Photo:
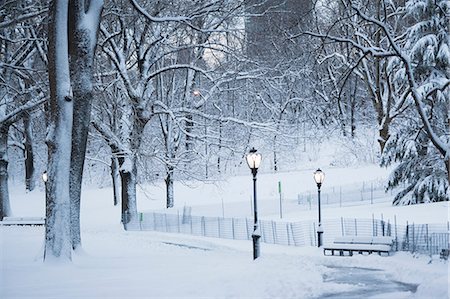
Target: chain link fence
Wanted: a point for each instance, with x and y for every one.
(423, 238)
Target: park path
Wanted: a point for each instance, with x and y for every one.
(368, 282)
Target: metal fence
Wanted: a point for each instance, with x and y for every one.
(283, 233)
(368, 192)
(422, 238)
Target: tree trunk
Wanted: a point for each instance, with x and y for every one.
(352, 118)
(384, 134)
(82, 49)
(128, 175)
(57, 231)
(5, 209)
(169, 188)
(220, 148)
(275, 159)
(447, 167)
(189, 128)
(115, 179)
(29, 157)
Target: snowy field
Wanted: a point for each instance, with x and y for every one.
(119, 264)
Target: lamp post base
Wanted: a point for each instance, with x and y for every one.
(319, 238)
(256, 246)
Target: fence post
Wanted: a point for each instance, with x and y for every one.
(342, 226)
(246, 227)
(407, 235)
(373, 225)
(315, 233)
(356, 228)
(232, 229)
(140, 220)
(396, 233)
(263, 235)
(389, 231)
(165, 221)
(431, 246)
(178, 221)
(426, 234)
(203, 226)
(274, 234)
(287, 232)
(292, 233)
(371, 193)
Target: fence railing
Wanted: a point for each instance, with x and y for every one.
(422, 238)
(368, 192)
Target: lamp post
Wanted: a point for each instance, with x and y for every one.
(319, 177)
(253, 161)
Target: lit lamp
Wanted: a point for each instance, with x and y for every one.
(254, 161)
(45, 176)
(319, 176)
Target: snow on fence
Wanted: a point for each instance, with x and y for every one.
(423, 238)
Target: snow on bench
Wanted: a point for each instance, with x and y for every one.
(350, 244)
(23, 221)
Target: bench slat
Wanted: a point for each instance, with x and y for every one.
(357, 247)
(350, 244)
(23, 221)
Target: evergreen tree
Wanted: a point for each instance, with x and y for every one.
(423, 168)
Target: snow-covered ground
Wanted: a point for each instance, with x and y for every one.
(119, 264)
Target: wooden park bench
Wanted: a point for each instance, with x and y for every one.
(23, 221)
(347, 245)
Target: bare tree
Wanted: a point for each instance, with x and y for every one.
(410, 70)
(20, 91)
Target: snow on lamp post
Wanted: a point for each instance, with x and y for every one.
(254, 161)
(319, 176)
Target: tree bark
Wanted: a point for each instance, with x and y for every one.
(275, 159)
(169, 188)
(57, 231)
(82, 49)
(29, 157)
(384, 133)
(128, 175)
(115, 179)
(5, 209)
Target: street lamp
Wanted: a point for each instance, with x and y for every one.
(319, 176)
(253, 161)
(45, 176)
